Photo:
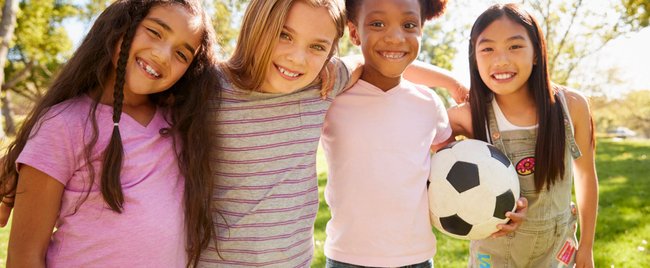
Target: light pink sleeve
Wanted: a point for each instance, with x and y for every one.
(443, 128)
(50, 148)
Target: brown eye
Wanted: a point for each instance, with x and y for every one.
(154, 32)
(285, 36)
(182, 56)
(377, 24)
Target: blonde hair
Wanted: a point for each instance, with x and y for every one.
(261, 28)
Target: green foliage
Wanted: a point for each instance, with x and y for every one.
(92, 8)
(39, 32)
(438, 44)
(438, 47)
(226, 20)
(624, 175)
(41, 45)
(346, 47)
(631, 111)
(637, 12)
(4, 243)
(636, 111)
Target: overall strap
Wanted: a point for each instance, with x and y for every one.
(568, 126)
(494, 135)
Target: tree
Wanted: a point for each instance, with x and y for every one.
(41, 46)
(575, 30)
(637, 111)
(439, 39)
(226, 20)
(7, 26)
(637, 12)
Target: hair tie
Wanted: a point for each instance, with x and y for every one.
(115, 124)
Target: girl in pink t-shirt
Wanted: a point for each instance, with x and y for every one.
(111, 166)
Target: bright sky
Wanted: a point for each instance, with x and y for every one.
(630, 54)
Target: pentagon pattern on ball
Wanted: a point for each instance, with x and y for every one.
(463, 176)
(498, 155)
(455, 225)
(505, 202)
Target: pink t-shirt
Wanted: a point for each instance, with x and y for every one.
(150, 230)
(377, 147)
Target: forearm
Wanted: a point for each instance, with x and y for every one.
(27, 247)
(587, 199)
(36, 209)
(584, 170)
(430, 75)
(24, 258)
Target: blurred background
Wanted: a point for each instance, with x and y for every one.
(599, 47)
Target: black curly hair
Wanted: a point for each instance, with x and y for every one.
(429, 9)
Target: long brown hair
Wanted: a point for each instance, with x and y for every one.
(261, 28)
(88, 71)
(550, 144)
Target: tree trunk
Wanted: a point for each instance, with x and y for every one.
(10, 126)
(7, 26)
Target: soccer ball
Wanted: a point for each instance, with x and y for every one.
(472, 186)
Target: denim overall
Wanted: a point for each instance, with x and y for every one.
(547, 237)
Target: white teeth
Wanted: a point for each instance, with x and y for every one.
(287, 73)
(148, 68)
(503, 76)
(393, 55)
(151, 71)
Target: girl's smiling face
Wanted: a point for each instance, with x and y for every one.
(303, 47)
(505, 56)
(389, 32)
(163, 47)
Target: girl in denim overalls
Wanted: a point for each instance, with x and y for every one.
(546, 131)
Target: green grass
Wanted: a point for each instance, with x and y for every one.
(622, 230)
(4, 240)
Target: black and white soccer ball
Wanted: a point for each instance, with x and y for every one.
(472, 186)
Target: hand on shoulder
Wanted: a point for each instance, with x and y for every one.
(460, 119)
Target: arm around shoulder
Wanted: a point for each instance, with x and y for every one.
(354, 63)
(37, 205)
(460, 119)
(433, 76)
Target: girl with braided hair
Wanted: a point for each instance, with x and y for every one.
(114, 158)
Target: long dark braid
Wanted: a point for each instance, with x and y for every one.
(110, 185)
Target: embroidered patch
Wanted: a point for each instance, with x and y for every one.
(484, 260)
(526, 166)
(566, 252)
